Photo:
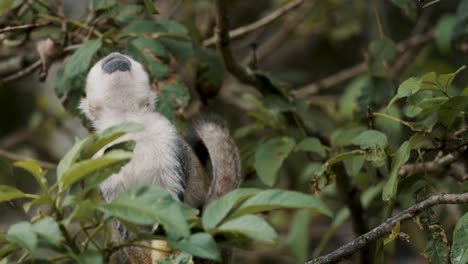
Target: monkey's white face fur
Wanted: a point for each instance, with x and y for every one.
(117, 83)
(117, 91)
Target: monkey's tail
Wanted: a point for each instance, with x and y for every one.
(209, 137)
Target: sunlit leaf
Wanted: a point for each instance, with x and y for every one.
(8, 193)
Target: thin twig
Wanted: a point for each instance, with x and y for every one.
(16, 157)
(380, 231)
(265, 21)
(223, 43)
(357, 69)
(22, 27)
(36, 65)
(438, 165)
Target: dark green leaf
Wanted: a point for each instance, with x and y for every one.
(250, 226)
(219, 209)
(461, 28)
(353, 165)
(173, 98)
(298, 238)
(48, 229)
(408, 6)
(451, 109)
(270, 156)
(149, 4)
(24, 235)
(444, 32)
(35, 169)
(399, 158)
(311, 145)
(90, 257)
(81, 59)
(150, 204)
(200, 244)
(371, 139)
(459, 252)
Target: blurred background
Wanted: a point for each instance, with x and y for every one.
(320, 50)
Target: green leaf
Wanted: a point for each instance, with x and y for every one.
(281, 199)
(90, 257)
(49, 230)
(219, 209)
(139, 27)
(444, 32)
(83, 168)
(371, 139)
(459, 251)
(200, 244)
(81, 59)
(393, 234)
(173, 98)
(451, 109)
(24, 235)
(436, 251)
(210, 71)
(461, 28)
(408, 6)
(446, 79)
(354, 164)
(6, 5)
(150, 204)
(35, 169)
(345, 137)
(406, 88)
(72, 155)
(150, 7)
(382, 52)
(109, 135)
(8, 193)
(269, 157)
(250, 226)
(298, 238)
(312, 145)
(400, 158)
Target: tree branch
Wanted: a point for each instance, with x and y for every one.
(265, 21)
(438, 165)
(16, 157)
(355, 70)
(21, 27)
(357, 244)
(223, 43)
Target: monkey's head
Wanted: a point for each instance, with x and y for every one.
(117, 83)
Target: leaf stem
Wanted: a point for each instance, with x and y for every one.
(405, 123)
(379, 18)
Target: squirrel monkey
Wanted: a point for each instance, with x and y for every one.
(118, 90)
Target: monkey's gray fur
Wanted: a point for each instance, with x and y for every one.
(118, 90)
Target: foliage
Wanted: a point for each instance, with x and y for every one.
(386, 125)
(73, 203)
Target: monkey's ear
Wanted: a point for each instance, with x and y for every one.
(90, 109)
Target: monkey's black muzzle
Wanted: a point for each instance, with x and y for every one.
(115, 62)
